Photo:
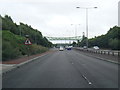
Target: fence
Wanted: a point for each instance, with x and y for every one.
(105, 52)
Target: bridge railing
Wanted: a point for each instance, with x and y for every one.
(105, 52)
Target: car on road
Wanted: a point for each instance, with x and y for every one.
(68, 47)
(84, 47)
(96, 48)
(61, 49)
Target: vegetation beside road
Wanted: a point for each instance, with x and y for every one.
(111, 40)
(13, 38)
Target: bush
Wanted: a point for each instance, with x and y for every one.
(114, 44)
(37, 49)
(13, 46)
(9, 52)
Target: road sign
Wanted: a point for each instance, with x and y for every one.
(27, 42)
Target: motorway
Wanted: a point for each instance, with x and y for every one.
(63, 69)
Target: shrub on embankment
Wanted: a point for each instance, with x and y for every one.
(22, 29)
(13, 46)
(110, 40)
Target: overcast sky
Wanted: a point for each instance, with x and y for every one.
(54, 17)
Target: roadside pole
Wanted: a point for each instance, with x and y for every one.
(28, 50)
(119, 13)
(28, 43)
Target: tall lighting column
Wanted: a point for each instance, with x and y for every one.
(86, 8)
(75, 30)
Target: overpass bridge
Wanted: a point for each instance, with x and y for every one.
(64, 38)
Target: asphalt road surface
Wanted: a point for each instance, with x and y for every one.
(64, 69)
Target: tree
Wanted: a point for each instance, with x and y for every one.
(111, 40)
(114, 43)
(8, 24)
(74, 44)
(24, 29)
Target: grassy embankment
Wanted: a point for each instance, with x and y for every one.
(13, 46)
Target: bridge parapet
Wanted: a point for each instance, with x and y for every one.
(64, 38)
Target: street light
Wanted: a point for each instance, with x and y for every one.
(86, 21)
(75, 29)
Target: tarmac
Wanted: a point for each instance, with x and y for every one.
(6, 67)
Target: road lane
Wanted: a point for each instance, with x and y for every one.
(64, 69)
(100, 73)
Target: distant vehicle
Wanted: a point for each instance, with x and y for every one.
(96, 48)
(69, 47)
(84, 47)
(66, 47)
(61, 49)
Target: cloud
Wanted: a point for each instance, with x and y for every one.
(53, 17)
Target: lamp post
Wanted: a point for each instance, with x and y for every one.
(119, 13)
(86, 8)
(75, 30)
